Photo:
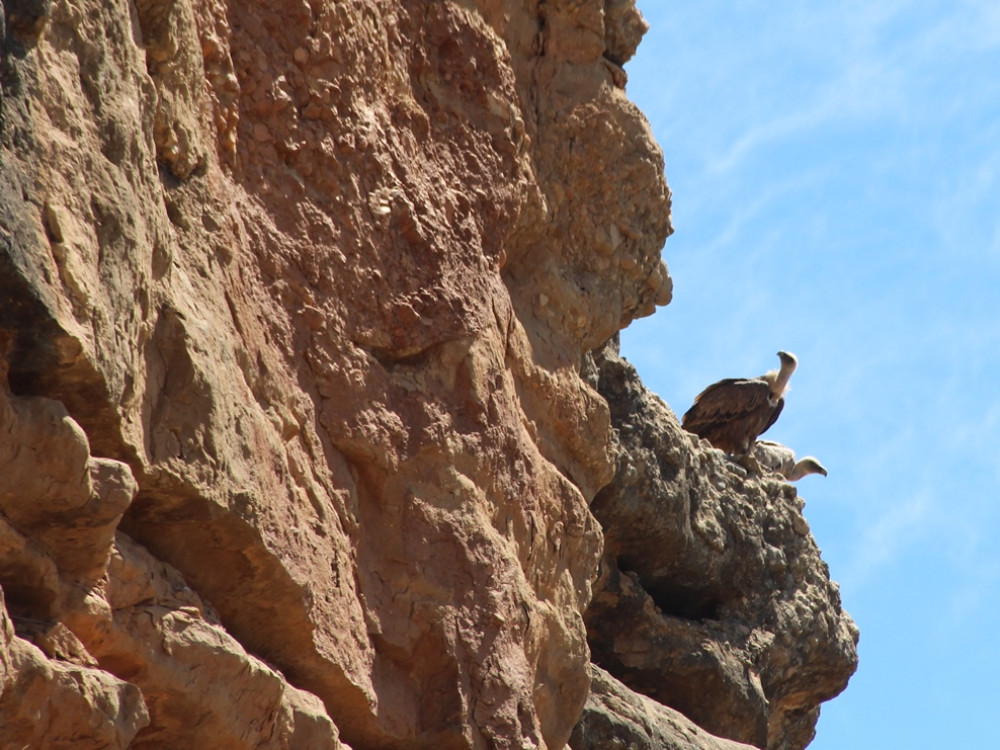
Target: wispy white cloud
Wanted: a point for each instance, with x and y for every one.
(964, 216)
(965, 27)
(885, 537)
(969, 598)
(861, 89)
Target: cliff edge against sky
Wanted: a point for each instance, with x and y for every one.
(309, 436)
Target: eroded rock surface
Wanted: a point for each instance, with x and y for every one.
(321, 275)
(294, 299)
(50, 701)
(104, 646)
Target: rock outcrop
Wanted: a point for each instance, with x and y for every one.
(295, 449)
(713, 598)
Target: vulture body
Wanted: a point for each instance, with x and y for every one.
(731, 414)
(777, 458)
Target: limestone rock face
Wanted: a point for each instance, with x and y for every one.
(713, 598)
(295, 450)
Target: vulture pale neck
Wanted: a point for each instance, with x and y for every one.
(779, 379)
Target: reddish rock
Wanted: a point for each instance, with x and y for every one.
(296, 299)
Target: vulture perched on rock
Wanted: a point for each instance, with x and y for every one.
(731, 414)
(781, 459)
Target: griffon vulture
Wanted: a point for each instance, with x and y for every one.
(731, 414)
(780, 459)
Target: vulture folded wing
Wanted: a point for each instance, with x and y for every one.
(726, 400)
(731, 413)
(774, 415)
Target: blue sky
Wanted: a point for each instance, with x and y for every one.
(836, 177)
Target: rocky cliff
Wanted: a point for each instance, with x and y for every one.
(308, 434)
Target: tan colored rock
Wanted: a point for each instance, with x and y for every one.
(201, 687)
(28, 576)
(119, 640)
(54, 492)
(177, 68)
(54, 704)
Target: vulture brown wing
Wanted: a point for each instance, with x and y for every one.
(725, 401)
(774, 415)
